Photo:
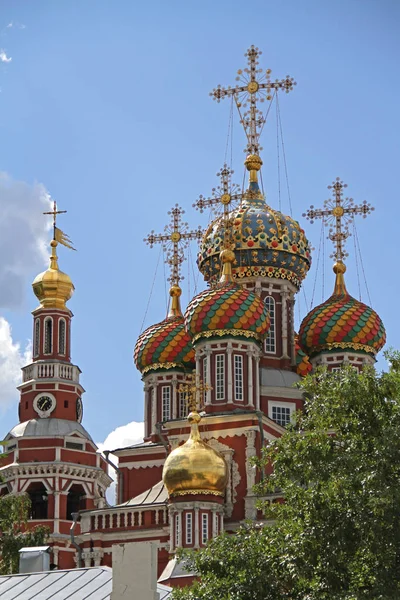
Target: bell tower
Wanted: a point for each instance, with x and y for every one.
(49, 455)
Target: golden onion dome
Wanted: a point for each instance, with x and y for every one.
(53, 288)
(195, 467)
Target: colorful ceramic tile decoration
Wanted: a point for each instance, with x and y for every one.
(266, 243)
(227, 310)
(342, 322)
(165, 345)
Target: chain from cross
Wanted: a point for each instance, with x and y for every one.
(193, 391)
(54, 214)
(254, 86)
(338, 214)
(175, 240)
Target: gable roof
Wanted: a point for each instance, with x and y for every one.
(94, 583)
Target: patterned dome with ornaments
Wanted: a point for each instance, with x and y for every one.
(227, 310)
(165, 345)
(342, 323)
(266, 243)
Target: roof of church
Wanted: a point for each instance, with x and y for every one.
(94, 583)
(48, 428)
(155, 495)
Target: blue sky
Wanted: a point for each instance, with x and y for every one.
(106, 105)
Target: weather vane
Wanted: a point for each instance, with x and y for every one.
(174, 241)
(58, 235)
(193, 390)
(254, 86)
(338, 214)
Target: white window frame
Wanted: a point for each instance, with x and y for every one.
(166, 402)
(275, 404)
(47, 320)
(238, 372)
(182, 408)
(189, 528)
(36, 344)
(220, 376)
(204, 528)
(62, 350)
(270, 340)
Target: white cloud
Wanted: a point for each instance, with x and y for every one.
(23, 237)
(12, 358)
(126, 435)
(4, 58)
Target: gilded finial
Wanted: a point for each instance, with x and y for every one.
(175, 310)
(339, 268)
(227, 258)
(174, 240)
(338, 213)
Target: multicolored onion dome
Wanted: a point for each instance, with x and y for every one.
(266, 242)
(227, 310)
(303, 365)
(166, 345)
(342, 323)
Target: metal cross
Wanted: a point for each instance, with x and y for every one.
(255, 86)
(338, 214)
(174, 241)
(54, 213)
(192, 390)
(225, 194)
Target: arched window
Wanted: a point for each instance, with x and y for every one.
(75, 500)
(48, 335)
(270, 345)
(36, 340)
(61, 336)
(39, 501)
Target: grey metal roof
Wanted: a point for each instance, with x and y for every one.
(140, 445)
(155, 495)
(278, 378)
(48, 428)
(94, 583)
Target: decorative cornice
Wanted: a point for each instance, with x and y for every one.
(227, 333)
(14, 471)
(198, 492)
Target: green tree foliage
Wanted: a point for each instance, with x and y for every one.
(14, 513)
(337, 535)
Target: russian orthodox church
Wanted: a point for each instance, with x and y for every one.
(231, 360)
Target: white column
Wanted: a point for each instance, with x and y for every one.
(257, 361)
(250, 376)
(174, 399)
(214, 516)
(230, 380)
(292, 344)
(153, 408)
(180, 526)
(284, 329)
(208, 354)
(146, 409)
(56, 495)
(196, 528)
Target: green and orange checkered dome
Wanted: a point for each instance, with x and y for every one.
(227, 310)
(166, 345)
(342, 323)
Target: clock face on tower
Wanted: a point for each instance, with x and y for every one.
(44, 404)
(79, 410)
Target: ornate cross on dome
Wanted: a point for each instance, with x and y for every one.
(225, 194)
(338, 214)
(193, 390)
(255, 86)
(58, 235)
(174, 241)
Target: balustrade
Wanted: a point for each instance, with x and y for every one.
(124, 518)
(49, 370)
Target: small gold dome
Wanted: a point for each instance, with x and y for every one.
(195, 467)
(53, 288)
